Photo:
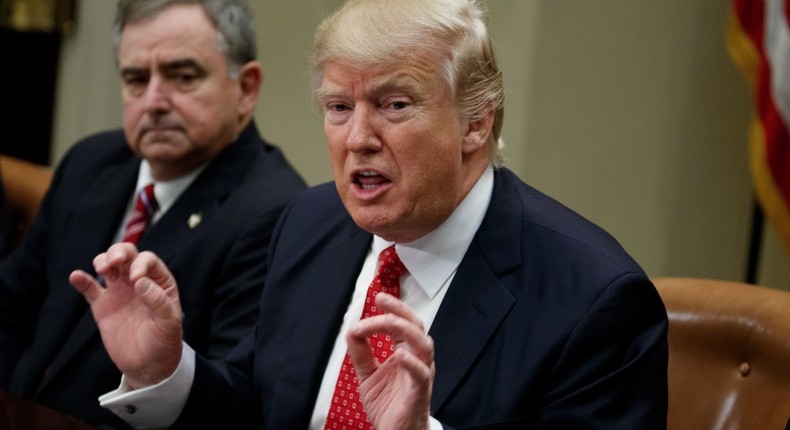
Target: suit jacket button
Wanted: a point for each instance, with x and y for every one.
(130, 409)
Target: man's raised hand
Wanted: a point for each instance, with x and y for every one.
(397, 393)
(137, 310)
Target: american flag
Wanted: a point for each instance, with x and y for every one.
(759, 42)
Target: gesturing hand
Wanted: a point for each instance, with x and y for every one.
(397, 393)
(137, 311)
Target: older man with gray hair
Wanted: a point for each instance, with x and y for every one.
(188, 177)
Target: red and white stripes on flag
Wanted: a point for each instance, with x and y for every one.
(759, 42)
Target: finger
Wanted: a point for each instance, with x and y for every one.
(115, 259)
(154, 296)
(404, 333)
(100, 262)
(147, 264)
(389, 304)
(419, 370)
(400, 323)
(398, 320)
(121, 253)
(361, 355)
(86, 285)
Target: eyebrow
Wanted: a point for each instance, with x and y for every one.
(391, 83)
(167, 66)
(186, 63)
(398, 82)
(324, 93)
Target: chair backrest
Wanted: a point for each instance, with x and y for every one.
(25, 184)
(729, 354)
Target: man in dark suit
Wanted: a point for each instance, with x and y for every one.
(513, 311)
(190, 83)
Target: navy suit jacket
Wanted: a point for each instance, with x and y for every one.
(548, 324)
(50, 348)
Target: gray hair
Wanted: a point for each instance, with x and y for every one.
(233, 20)
(391, 32)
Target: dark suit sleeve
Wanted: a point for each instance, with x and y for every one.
(607, 375)
(223, 394)
(236, 295)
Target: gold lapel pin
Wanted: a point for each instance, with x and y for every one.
(195, 219)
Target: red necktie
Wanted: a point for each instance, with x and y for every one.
(143, 212)
(346, 409)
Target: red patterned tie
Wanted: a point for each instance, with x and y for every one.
(144, 209)
(346, 409)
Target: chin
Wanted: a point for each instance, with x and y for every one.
(371, 223)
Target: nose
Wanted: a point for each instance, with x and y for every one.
(362, 136)
(156, 97)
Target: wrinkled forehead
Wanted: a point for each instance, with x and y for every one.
(419, 78)
(417, 75)
(182, 28)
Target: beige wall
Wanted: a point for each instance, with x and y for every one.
(630, 112)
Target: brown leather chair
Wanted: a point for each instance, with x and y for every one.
(25, 184)
(729, 354)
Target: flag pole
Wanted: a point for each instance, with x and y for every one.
(755, 243)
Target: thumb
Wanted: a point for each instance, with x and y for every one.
(154, 297)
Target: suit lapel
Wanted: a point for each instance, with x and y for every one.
(200, 202)
(315, 333)
(477, 301)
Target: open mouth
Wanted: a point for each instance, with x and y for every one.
(369, 180)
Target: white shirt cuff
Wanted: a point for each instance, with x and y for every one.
(157, 406)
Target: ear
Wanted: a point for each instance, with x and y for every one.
(478, 132)
(250, 80)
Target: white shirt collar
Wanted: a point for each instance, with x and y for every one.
(166, 192)
(433, 259)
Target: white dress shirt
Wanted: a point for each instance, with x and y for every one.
(165, 192)
(431, 261)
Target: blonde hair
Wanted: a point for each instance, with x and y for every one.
(391, 32)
